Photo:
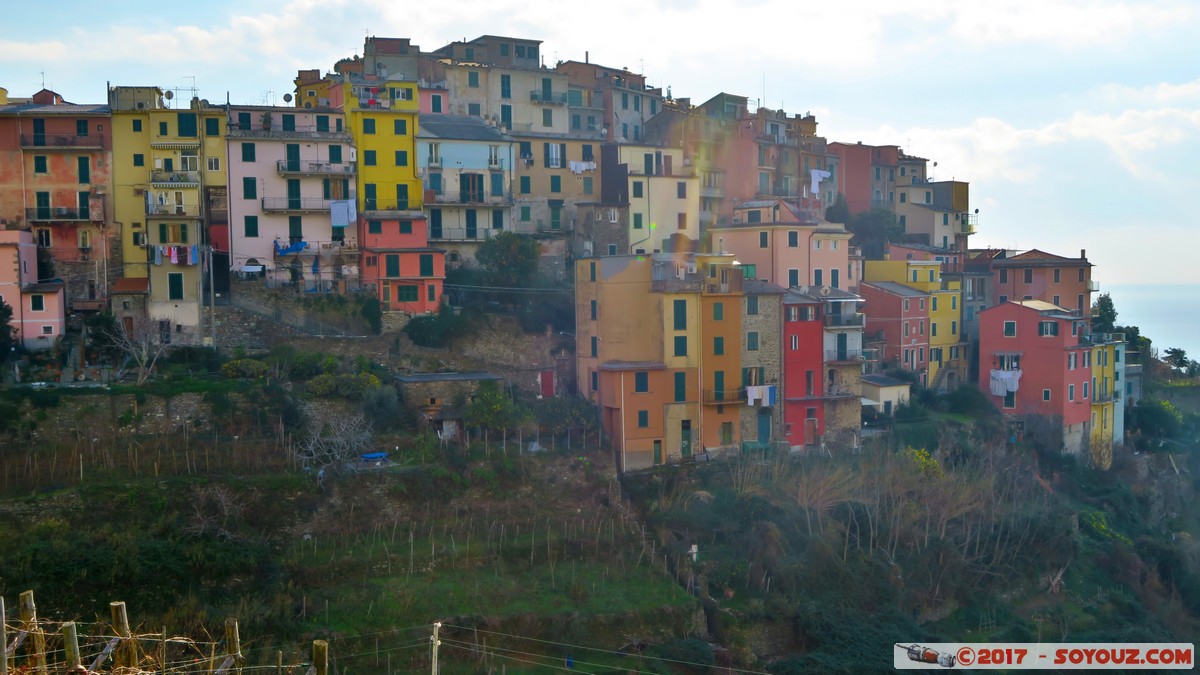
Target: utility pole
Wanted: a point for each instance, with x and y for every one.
(435, 642)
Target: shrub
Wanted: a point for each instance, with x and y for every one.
(346, 385)
(244, 369)
(371, 310)
(382, 407)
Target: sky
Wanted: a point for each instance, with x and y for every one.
(1075, 121)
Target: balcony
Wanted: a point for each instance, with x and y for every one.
(459, 233)
(1102, 397)
(427, 84)
(174, 179)
(712, 193)
(844, 356)
(540, 96)
(724, 396)
(295, 205)
(1092, 286)
(340, 247)
(168, 211)
(309, 167)
(839, 391)
(390, 208)
(844, 320)
(291, 131)
(40, 142)
(433, 162)
(56, 214)
(471, 198)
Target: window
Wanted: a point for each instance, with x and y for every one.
(555, 183)
(637, 221)
(1029, 276)
(718, 311)
(592, 271)
(295, 229)
(1010, 399)
(162, 128)
(681, 221)
(435, 103)
(1085, 389)
(595, 345)
(525, 185)
(794, 342)
(250, 226)
(587, 185)
(473, 109)
(680, 387)
(934, 304)
(214, 163)
(1048, 328)
(526, 214)
(643, 419)
(818, 278)
(762, 240)
(368, 158)
(1004, 276)
(1045, 394)
(751, 305)
(175, 286)
(1010, 329)
(40, 164)
(793, 278)
(368, 126)
(954, 327)
(1082, 274)
(637, 189)
(249, 187)
(391, 265)
(335, 154)
(401, 158)
(718, 346)
(37, 302)
(374, 227)
(681, 190)
(139, 159)
(680, 345)
(505, 86)
(212, 126)
(473, 78)
(406, 227)
(547, 118)
(932, 328)
(680, 314)
(752, 341)
(400, 127)
(793, 239)
(1070, 392)
(406, 293)
(749, 271)
(594, 309)
(641, 381)
(137, 125)
(248, 152)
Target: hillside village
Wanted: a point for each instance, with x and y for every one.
(723, 298)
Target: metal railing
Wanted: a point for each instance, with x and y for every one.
(843, 355)
(313, 166)
(539, 96)
(51, 141)
(173, 210)
(277, 130)
(51, 213)
(722, 396)
(284, 204)
(844, 320)
(177, 177)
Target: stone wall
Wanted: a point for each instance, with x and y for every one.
(769, 356)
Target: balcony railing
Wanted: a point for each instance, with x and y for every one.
(844, 320)
(539, 96)
(343, 247)
(843, 355)
(389, 205)
(173, 210)
(723, 396)
(314, 167)
(295, 204)
(175, 178)
(712, 192)
(56, 213)
(460, 233)
(62, 141)
(1092, 286)
(278, 130)
(1102, 397)
(478, 198)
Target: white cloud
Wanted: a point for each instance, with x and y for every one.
(1161, 93)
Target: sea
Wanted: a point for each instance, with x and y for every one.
(1168, 315)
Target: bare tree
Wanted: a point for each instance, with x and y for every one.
(333, 444)
(142, 345)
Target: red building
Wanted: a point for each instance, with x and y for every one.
(803, 365)
(55, 161)
(1035, 365)
(897, 324)
(1037, 275)
(398, 261)
(866, 174)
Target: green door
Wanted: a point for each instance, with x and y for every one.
(293, 156)
(293, 193)
(764, 425)
(842, 351)
(657, 452)
(685, 438)
(43, 205)
(39, 132)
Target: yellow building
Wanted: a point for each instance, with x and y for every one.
(312, 90)
(659, 351)
(553, 174)
(664, 197)
(382, 117)
(1105, 406)
(169, 185)
(947, 351)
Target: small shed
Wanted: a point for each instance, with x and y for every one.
(435, 395)
(884, 393)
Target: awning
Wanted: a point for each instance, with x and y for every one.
(867, 401)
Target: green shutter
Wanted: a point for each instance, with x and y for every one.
(393, 265)
(426, 262)
(680, 311)
(680, 387)
(335, 154)
(164, 233)
(251, 226)
(183, 233)
(174, 286)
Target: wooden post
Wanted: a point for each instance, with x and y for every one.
(320, 656)
(29, 622)
(233, 643)
(278, 663)
(3, 639)
(126, 653)
(162, 653)
(71, 644)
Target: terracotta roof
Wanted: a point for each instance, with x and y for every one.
(131, 285)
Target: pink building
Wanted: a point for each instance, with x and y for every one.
(776, 242)
(38, 309)
(897, 324)
(1035, 365)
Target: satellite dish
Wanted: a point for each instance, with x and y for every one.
(287, 98)
(824, 290)
(169, 95)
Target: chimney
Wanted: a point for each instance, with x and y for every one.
(1083, 254)
(585, 57)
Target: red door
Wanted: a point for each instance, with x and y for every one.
(546, 380)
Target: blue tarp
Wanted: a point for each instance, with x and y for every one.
(293, 248)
